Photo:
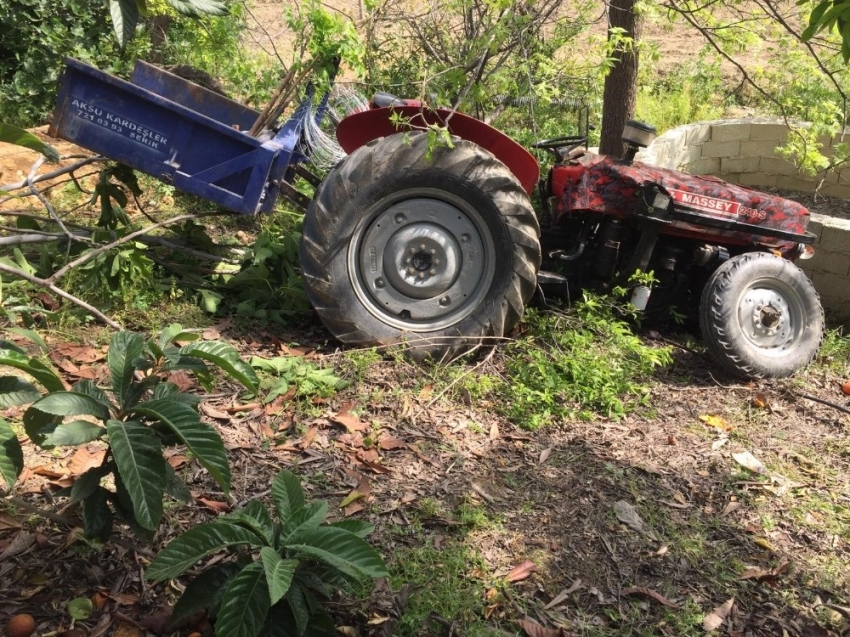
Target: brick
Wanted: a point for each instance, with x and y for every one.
(832, 286)
(730, 132)
(758, 149)
(758, 180)
(776, 166)
(835, 237)
(729, 165)
(697, 134)
(688, 155)
(732, 178)
(704, 166)
(769, 132)
(721, 149)
(815, 226)
(828, 261)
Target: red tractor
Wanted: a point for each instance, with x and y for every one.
(439, 247)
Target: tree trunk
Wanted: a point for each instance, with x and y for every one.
(618, 101)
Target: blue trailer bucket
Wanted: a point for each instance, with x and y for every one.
(182, 133)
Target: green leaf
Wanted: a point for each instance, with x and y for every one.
(67, 403)
(358, 527)
(76, 432)
(305, 520)
(88, 388)
(245, 604)
(30, 334)
(198, 7)
(287, 494)
(125, 17)
(123, 503)
(175, 487)
(124, 349)
(340, 549)
(43, 374)
(17, 391)
(11, 455)
(88, 483)
(205, 591)
(201, 439)
(253, 516)
(278, 572)
(40, 425)
(80, 608)
(225, 358)
(297, 598)
(138, 456)
(18, 136)
(97, 516)
(174, 332)
(194, 545)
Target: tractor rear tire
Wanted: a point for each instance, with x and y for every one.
(761, 316)
(436, 248)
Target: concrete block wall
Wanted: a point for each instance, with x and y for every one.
(743, 151)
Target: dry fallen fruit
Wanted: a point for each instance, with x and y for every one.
(22, 625)
(846, 388)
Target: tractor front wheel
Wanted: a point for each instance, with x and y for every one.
(761, 316)
(434, 247)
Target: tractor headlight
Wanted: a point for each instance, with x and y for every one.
(638, 134)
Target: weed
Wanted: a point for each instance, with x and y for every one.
(578, 364)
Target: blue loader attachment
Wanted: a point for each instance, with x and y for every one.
(182, 133)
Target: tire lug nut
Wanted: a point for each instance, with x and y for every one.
(412, 250)
(399, 218)
(436, 262)
(433, 251)
(445, 301)
(421, 275)
(432, 271)
(411, 270)
(379, 283)
(421, 246)
(407, 260)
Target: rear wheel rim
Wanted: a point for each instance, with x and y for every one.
(421, 259)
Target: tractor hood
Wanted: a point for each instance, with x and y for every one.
(607, 185)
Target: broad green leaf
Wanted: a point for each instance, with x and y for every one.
(125, 17)
(201, 439)
(88, 388)
(40, 425)
(254, 516)
(30, 334)
(138, 456)
(205, 591)
(76, 432)
(297, 598)
(225, 358)
(9, 345)
(304, 520)
(124, 349)
(38, 370)
(245, 604)
(11, 455)
(174, 332)
(123, 503)
(287, 494)
(18, 136)
(67, 403)
(340, 549)
(87, 484)
(198, 7)
(17, 391)
(358, 527)
(194, 545)
(97, 516)
(175, 487)
(279, 573)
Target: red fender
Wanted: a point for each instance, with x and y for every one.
(361, 128)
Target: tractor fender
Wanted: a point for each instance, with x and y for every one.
(359, 129)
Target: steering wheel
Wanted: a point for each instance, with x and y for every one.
(573, 141)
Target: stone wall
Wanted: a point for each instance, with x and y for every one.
(743, 151)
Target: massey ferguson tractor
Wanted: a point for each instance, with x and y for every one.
(437, 246)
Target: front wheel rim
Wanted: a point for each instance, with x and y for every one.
(771, 316)
(422, 259)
